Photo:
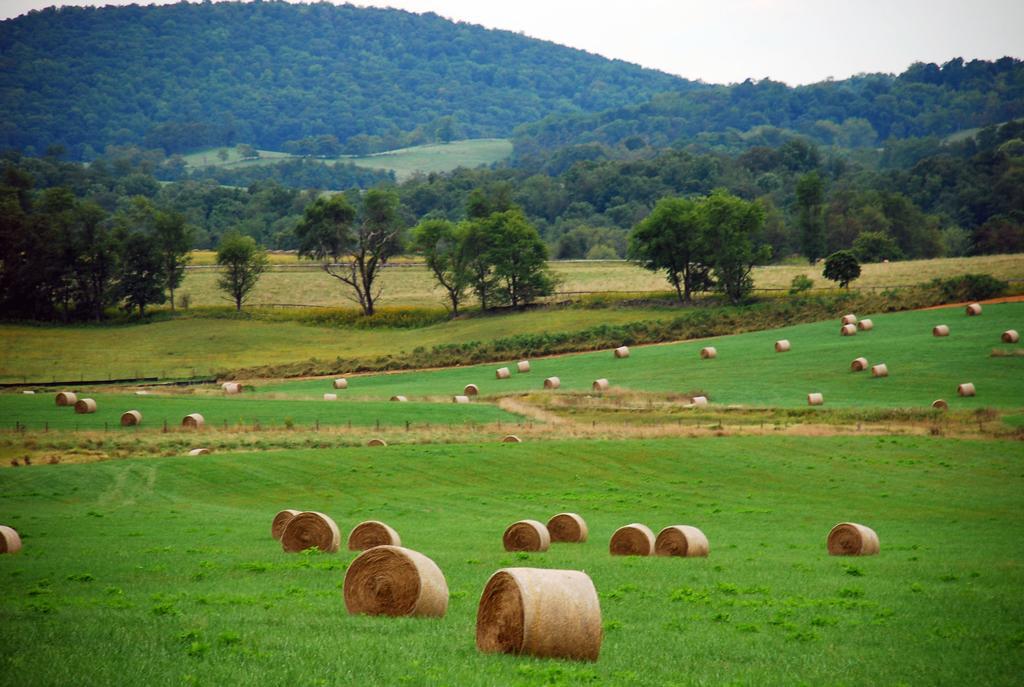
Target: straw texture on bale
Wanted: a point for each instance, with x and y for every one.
(568, 527)
(849, 319)
(281, 521)
(699, 401)
(371, 533)
(815, 399)
(851, 539)
(310, 529)
(879, 370)
(193, 421)
(66, 398)
(523, 366)
(502, 373)
(940, 330)
(341, 383)
(376, 442)
(552, 383)
(330, 397)
(232, 387)
(399, 399)
(540, 612)
(199, 452)
(460, 399)
(782, 345)
(10, 542)
(130, 418)
(940, 404)
(681, 540)
(600, 384)
(394, 581)
(965, 389)
(973, 309)
(632, 540)
(84, 406)
(865, 325)
(1011, 336)
(622, 352)
(708, 352)
(511, 439)
(526, 535)
(471, 390)
(859, 365)
(848, 330)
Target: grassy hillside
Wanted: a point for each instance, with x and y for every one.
(162, 571)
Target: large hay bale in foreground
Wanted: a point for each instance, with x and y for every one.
(193, 421)
(600, 384)
(511, 439)
(708, 352)
(552, 383)
(568, 527)
(540, 612)
(782, 345)
(376, 442)
(340, 383)
(632, 540)
(66, 398)
(865, 325)
(879, 370)
(460, 399)
(848, 330)
(371, 533)
(399, 399)
(280, 522)
(973, 309)
(940, 330)
(10, 541)
(849, 319)
(523, 366)
(471, 390)
(699, 401)
(231, 387)
(851, 539)
(1010, 336)
(311, 529)
(965, 389)
(859, 365)
(395, 581)
(502, 373)
(815, 399)
(130, 418)
(622, 352)
(940, 404)
(199, 452)
(526, 535)
(85, 406)
(681, 540)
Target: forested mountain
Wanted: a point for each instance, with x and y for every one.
(186, 76)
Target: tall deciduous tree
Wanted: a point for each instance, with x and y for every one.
(519, 257)
(243, 262)
(672, 239)
(141, 278)
(733, 226)
(810, 200)
(173, 240)
(439, 242)
(842, 267)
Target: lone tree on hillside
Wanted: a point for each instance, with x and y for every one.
(842, 267)
(244, 261)
(672, 239)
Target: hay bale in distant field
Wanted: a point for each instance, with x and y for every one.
(699, 401)
(330, 397)
(511, 439)
(540, 612)
(231, 387)
(526, 535)
(142, 393)
(622, 352)
(632, 540)
(523, 366)
(1011, 336)
(66, 398)
(130, 418)
(376, 442)
(502, 373)
(281, 521)
(859, 365)
(782, 345)
(10, 541)
(815, 399)
(849, 319)
(471, 390)
(851, 539)
(965, 389)
(708, 352)
(879, 370)
(600, 384)
(552, 383)
(371, 533)
(199, 452)
(973, 309)
(848, 330)
(940, 330)
(340, 383)
(865, 325)
(940, 404)
(310, 529)
(681, 540)
(399, 399)
(568, 527)
(460, 399)
(28, 392)
(193, 421)
(395, 581)
(84, 406)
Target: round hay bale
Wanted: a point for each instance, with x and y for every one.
(199, 452)
(600, 384)
(965, 389)
(394, 581)
(340, 383)
(130, 418)
(310, 529)
(511, 439)
(940, 330)
(66, 398)
(681, 540)
(632, 540)
(10, 542)
(849, 319)
(526, 535)
(231, 387)
(377, 442)
(471, 390)
(371, 533)
(142, 393)
(815, 399)
(330, 397)
(552, 383)
(699, 401)
(622, 352)
(502, 373)
(848, 330)
(865, 325)
(540, 612)
(940, 404)
(708, 352)
(523, 366)
(879, 370)
(193, 421)
(84, 406)
(281, 521)
(400, 399)
(568, 527)
(460, 399)
(28, 392)
(851, 539)
(973, 309)
(782, 345)
(1011, 336)
(859, 365)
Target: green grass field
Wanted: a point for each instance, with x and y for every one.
(162, 571)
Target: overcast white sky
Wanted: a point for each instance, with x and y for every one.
(724, 41)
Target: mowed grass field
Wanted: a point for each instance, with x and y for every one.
(163, 572)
